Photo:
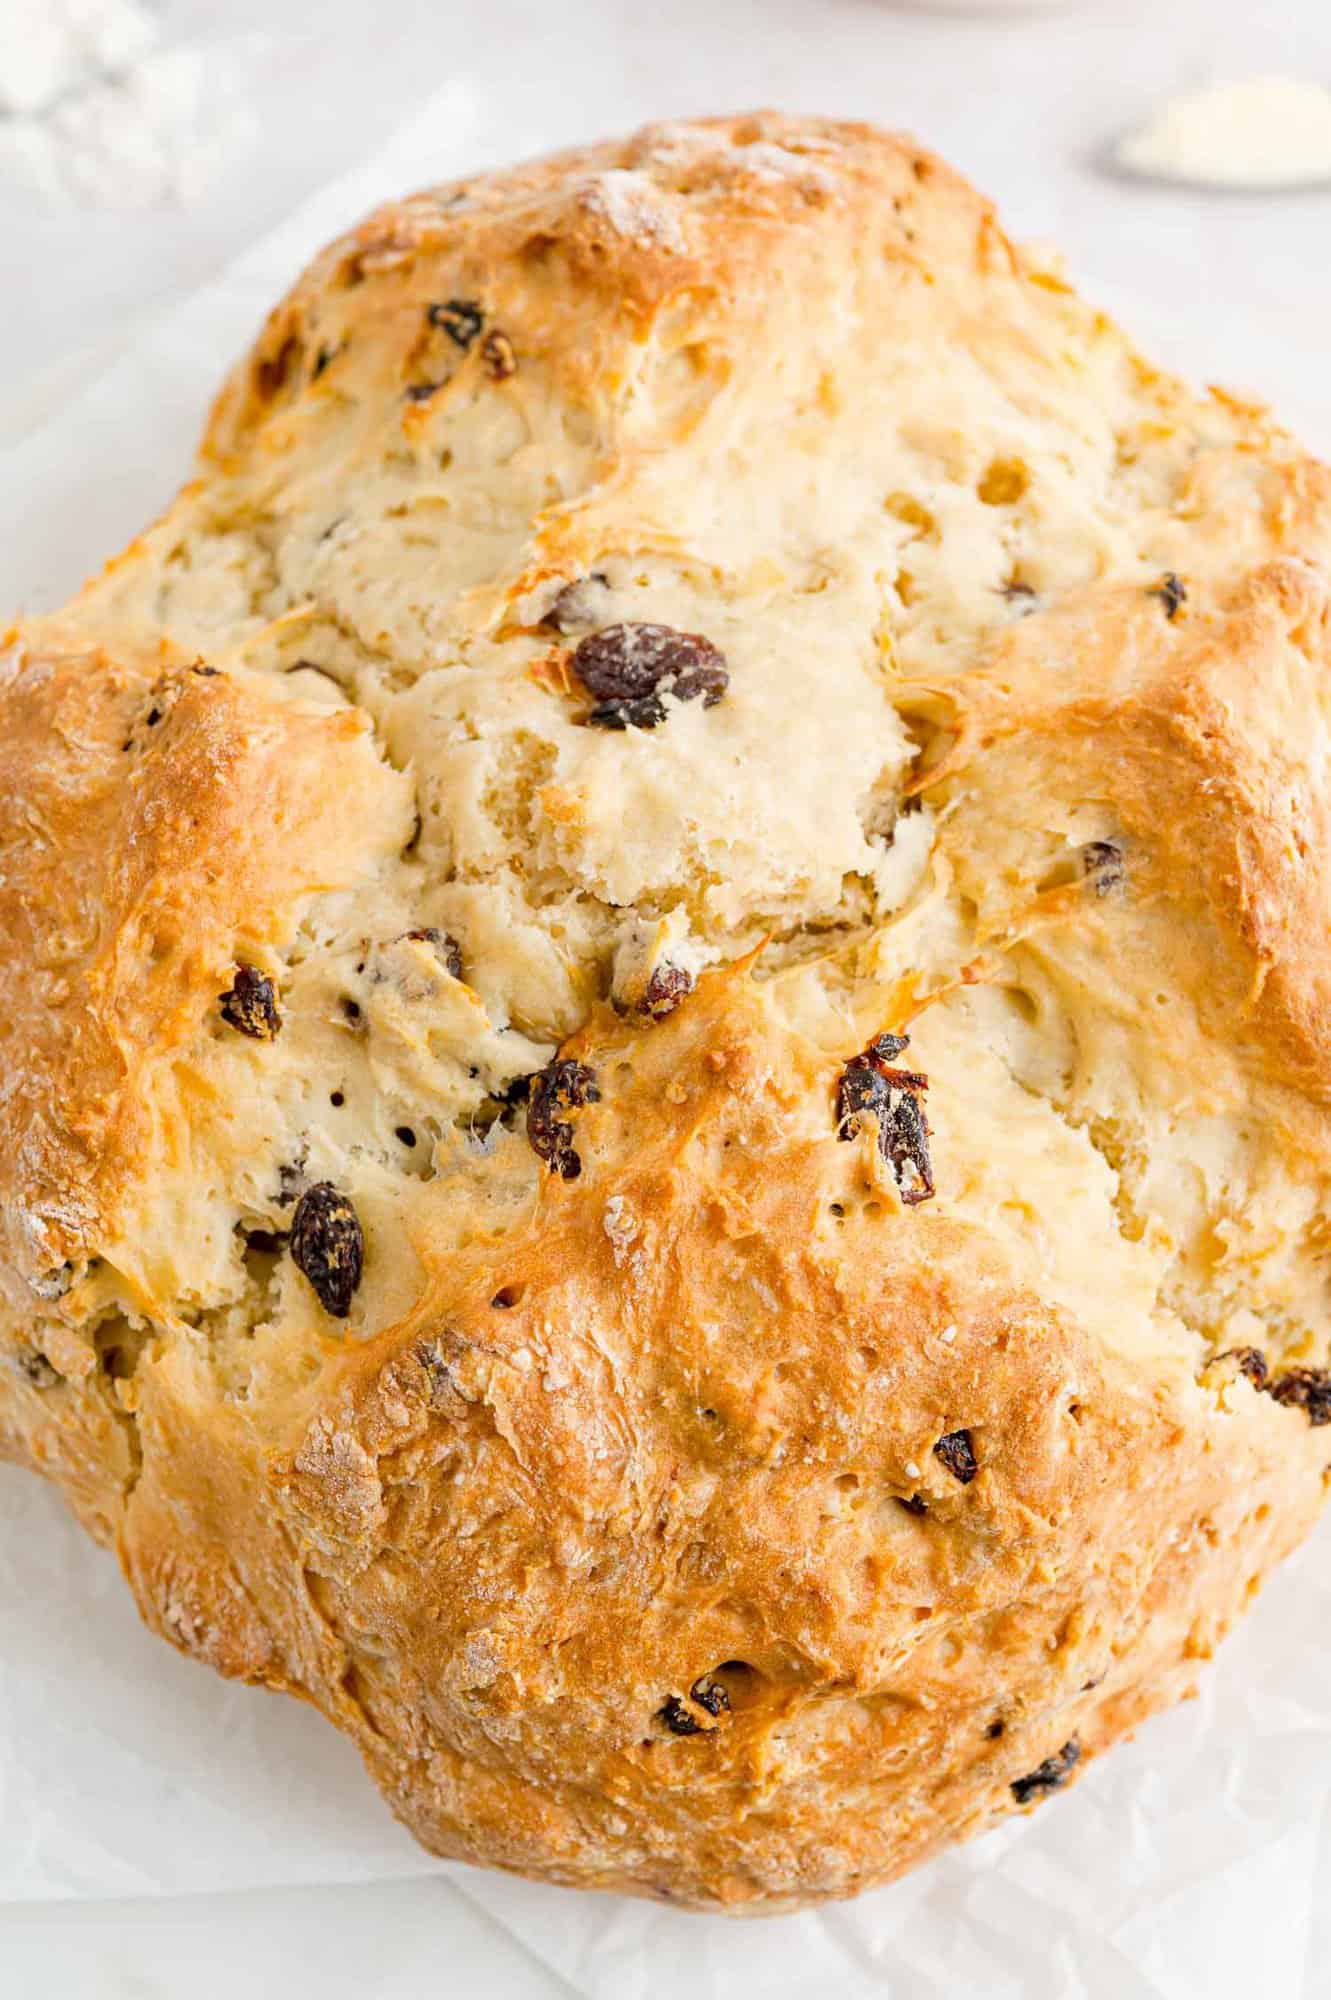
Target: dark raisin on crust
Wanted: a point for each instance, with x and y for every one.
(461, 320)
(869, 1085)
(327, 1244)
(1103, 865)
(498, 357)
(447, 947)
(1250, 1362)
(710, 1694)
(1172, 592)
(631, 668)
(668, 985)
(957, 1453)
(677, 1718)
(1306, 1389)
(573, 606)
(251, 1004)
(561, 1085)
(1047, 1777)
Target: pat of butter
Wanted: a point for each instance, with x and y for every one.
(1261, 132)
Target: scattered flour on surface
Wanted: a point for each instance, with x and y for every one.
(50, 47)
(101, 115)
(633, 207)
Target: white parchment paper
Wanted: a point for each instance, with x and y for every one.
(1194, 1862)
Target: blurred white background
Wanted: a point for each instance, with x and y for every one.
(1236, 288)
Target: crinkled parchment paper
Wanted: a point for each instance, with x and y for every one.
(1194, 1862)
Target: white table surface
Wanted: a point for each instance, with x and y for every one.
(1232, 288)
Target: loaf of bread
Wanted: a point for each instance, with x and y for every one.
(665, 1018)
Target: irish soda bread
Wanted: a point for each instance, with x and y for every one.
(665, 1018)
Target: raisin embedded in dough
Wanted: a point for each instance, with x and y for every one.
(327, 1244)
(251, 1004)
(957, 1453)
(1306, 1389)
(631, 667)
(668, 985)
(460, 319)
(1049, 1776)
(870, 1085)
(562, 1085)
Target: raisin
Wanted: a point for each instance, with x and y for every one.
(869, 1085)
(573, 607)
(498, 356)
(1103, 866)
(38, 1370)
(1307, 1389)
(1047, 1777)
(630, 668)
(677, 1718)
(461, 320)
(710, 1694)
(561, 1085)
(446, 946)
(668, 985)
(1250, 1361)
(251, 1004)
(327, 1244)
(958, 1454)
(1172, 592)
(914, 1504)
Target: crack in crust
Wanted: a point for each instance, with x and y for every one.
(714, 1482)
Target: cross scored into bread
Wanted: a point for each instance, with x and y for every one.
(665, 1018)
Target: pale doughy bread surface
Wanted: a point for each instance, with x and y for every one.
(610, 1517)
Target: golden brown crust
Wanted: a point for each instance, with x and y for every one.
(683, 1503)
(163, 816)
